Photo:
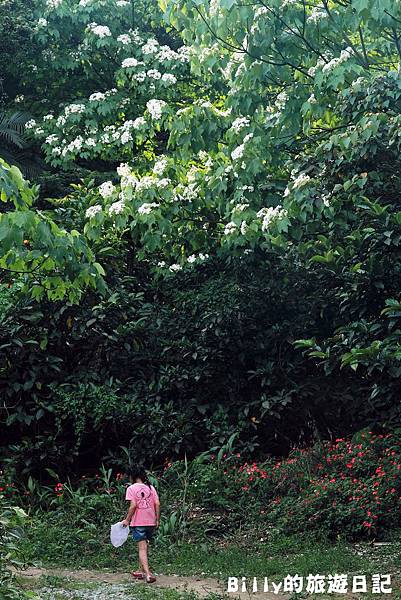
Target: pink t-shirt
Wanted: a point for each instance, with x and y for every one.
(145, 498)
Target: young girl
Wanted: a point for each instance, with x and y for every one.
(143, 517)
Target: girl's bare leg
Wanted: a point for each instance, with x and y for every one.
(143, 557)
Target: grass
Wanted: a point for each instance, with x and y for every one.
(53, 540)
(50, 542)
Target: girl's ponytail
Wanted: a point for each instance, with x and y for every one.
(138, 472)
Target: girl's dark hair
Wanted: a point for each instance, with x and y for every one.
(138, 472)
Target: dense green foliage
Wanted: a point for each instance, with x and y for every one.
(11, 519)
(214, 250)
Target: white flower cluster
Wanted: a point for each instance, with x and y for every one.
(74, 108)
(269, 215)
(262, 10)
(239, 123)
(238, 152)
(193, 257)
(160, 165)
(124, 170)
(169, 79)
(186, 192)
(300, 181)
(124, 39)
(166, 54)
(230, 228)
(155, 108)
(121, 134)
(84, 3)
(174, 268)
(54, 3)
(281, 100)
(101, 31)
(51, 139)
(117, 208)
(147, 207)
(106, 189)
(92, 211)
(97, 97)
(318, 13)
(151, 46)
(240, 207)
(122, 3)
(42, 22)
(30, 124)
(328, 65)
(130, 62)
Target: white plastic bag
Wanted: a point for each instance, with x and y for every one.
(118, 534)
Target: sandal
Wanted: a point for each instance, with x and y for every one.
(137, 574)
(150, 579)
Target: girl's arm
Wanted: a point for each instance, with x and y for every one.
(130, 514)
(157, 509)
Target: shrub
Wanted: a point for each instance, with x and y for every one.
(11, 519)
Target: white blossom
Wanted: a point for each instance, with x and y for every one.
(167, 54)
(154, 74)
(117, 208)
(124, 39)
(318, 13)
(155, 108)
(147, 207)
(230, 228)
(244, 227)
(238, 152)
(240, 208)
(160, 165)
(122, 3)
(101, 31)
(269, 215)
(74, 108)
(126, 137)
(174, 268)
(262, 10)
(48, 117)
(129, 62)
(239, 123)
(123, 170)
(140, 77)
(169, 78)
(138, 122)
(97, 97)
(30, 124)
(163, 183)
(42, 22)
(106, 189)
(151, 46)
(300, 181)
(192, 258)
(92, 211)
(53, 3)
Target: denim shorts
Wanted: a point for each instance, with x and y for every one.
(142, 532)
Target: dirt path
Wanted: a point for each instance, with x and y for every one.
(200, 585)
